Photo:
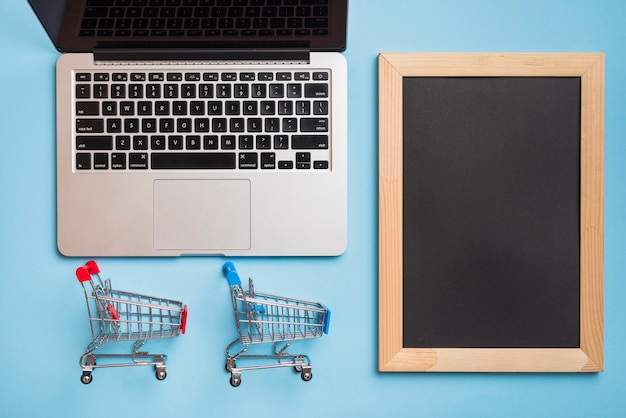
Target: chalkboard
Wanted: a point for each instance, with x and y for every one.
(491, 212)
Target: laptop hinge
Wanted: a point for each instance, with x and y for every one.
(192, 55)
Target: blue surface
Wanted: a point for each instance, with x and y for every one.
(42, 311)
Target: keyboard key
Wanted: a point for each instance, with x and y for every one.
(195, 160)
(83, 91)
(320, 75)
(101, 161)
(263, 142)
(122, 142)
(89, 126)
(192, 142)
(223, 91)
(114, 125)
(210, 142)
(250, 108)
(315, 90)
(268, 160)
(201, 125)
(127, 108)
(175, 142)
(140, 142)
(138, 161)
(303, 107)
(192, 77)
(94, 142)
(290, 125)
(248, 160)
(314, 125)
(294, 90)
(157, 142)
(83, 161)
(149, 125)
(109, 108)
(237, 125)
(118, 91)
(144, 108)
(87, 108)
(303, 160)
(246, 142)
(228, 142)
(281, 142)
(259, 91)
(320, 108)
(277, 91)
(131, 125)
(309, 141)
(118, 161)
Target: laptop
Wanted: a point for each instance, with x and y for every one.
(193, 127)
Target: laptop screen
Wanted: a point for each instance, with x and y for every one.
(85, 25)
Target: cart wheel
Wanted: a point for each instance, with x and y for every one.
(298, 368)
(161, 374)
(306, 376)
(86, 378)
(235, 381)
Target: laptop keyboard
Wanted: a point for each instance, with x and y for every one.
(231, 120)
(205, 18)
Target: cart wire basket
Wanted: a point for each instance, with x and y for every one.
(116, 316)
(263, 318)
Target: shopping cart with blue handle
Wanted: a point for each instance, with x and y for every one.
(116, 316)
(263, 318)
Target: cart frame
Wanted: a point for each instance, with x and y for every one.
(265, 318)
(117, 316)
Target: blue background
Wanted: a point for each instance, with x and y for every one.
(42, 312)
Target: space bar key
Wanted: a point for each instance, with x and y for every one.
(193, 160)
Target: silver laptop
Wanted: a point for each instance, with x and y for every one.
(200, 126)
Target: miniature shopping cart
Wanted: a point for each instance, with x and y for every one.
(116, 316)
(263, 318)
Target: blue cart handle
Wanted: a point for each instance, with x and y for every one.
(231, 274)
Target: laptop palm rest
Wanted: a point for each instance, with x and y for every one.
(201, 214)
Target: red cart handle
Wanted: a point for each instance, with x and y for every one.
(83, 273)
(92, 267)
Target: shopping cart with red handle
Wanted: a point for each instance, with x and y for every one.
(264, 318)
(116, 316)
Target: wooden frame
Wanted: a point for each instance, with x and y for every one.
(392, 355)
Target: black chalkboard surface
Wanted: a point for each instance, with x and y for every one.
(496, 182)
(491, 211)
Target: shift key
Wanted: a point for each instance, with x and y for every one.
(89, 142)
(93, 126)
(309, 141)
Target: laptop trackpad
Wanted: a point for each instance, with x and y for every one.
(202, 214)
